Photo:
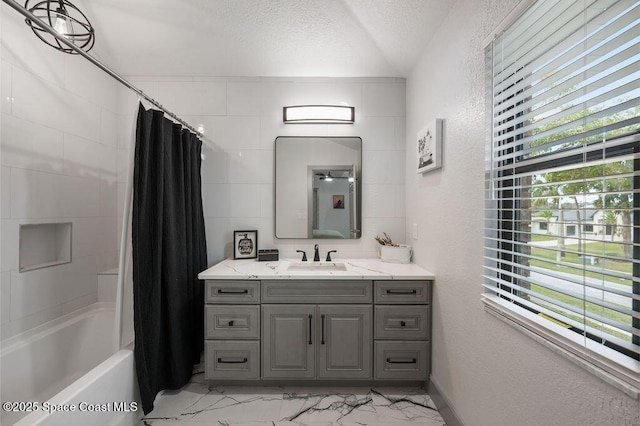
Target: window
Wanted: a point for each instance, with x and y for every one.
(563, 118)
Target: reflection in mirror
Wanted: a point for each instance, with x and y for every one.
(318, 185)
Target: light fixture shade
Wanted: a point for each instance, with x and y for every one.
(68, 21)
(318, 114)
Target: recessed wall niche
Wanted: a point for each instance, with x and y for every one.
(44, 244)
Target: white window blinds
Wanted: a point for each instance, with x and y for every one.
(562, 221)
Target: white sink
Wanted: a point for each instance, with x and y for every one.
(317, 266)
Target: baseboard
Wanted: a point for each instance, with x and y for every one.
(442, 403)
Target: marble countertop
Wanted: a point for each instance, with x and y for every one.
(356, 269)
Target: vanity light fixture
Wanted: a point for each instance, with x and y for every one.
(67, 20)
(322, 114)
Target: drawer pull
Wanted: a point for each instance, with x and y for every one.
(322, 323)
(310, 318)
(414, 291)
(232, 361)
(402, 323)
(222, 291)
(401, 361)
(230, 323)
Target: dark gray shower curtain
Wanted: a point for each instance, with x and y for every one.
(169, 250)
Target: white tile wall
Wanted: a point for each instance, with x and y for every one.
(59, 140)
(243, 116)
(36, 100)
(5, 88)
(22, 49)
(384, 100)
(250, 166)
(87, 81)
(28, 145)
(232, 133)
(86, 158)
(9, 234)
(383, 167)
(245, 98)
(6, 192)
(215, 200)
(5, 297)
(72, 165)
(107, 287)
(194, 97)
(244, 200)
(109, 128)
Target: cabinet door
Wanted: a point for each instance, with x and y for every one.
(288, 341)
(344, 341)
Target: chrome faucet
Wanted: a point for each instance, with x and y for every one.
(316, 255)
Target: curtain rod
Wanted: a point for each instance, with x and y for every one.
(96, 62)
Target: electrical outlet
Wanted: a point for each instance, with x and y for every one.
(414, 231)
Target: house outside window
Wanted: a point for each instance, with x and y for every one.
(564, 145)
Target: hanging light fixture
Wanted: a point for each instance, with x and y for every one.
(67, 20)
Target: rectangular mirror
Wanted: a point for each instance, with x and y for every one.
(318, 186)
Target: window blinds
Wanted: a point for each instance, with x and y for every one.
(562, 217)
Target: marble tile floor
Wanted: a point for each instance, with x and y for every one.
(198, 404)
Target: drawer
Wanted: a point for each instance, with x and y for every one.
(232, 322)
(402, 322)
(232, 359)
(232, 291)
(402, 292)
(316, 291)
(401, 360)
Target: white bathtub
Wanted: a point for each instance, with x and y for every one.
(68, 364)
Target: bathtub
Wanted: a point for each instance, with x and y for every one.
(66, 373)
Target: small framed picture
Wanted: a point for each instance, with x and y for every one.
(245, 244)
(338, 201)
(430, 146)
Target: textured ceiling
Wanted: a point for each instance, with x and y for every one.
(332, 38)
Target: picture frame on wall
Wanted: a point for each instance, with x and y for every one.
(429, 144)
(338, 201)
(245, 244)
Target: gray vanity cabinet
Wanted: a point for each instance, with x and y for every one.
(316, 341)
(232, 329)
(288, 335)
(310, 329)
(344, 343)
(402, 330)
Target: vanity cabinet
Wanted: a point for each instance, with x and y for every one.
(402, 330)
(317, 329)
(316, 341)
(328, 339)
(232, 329)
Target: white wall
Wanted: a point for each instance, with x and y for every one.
(58, 139)
(243, 116)
(491, 373)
